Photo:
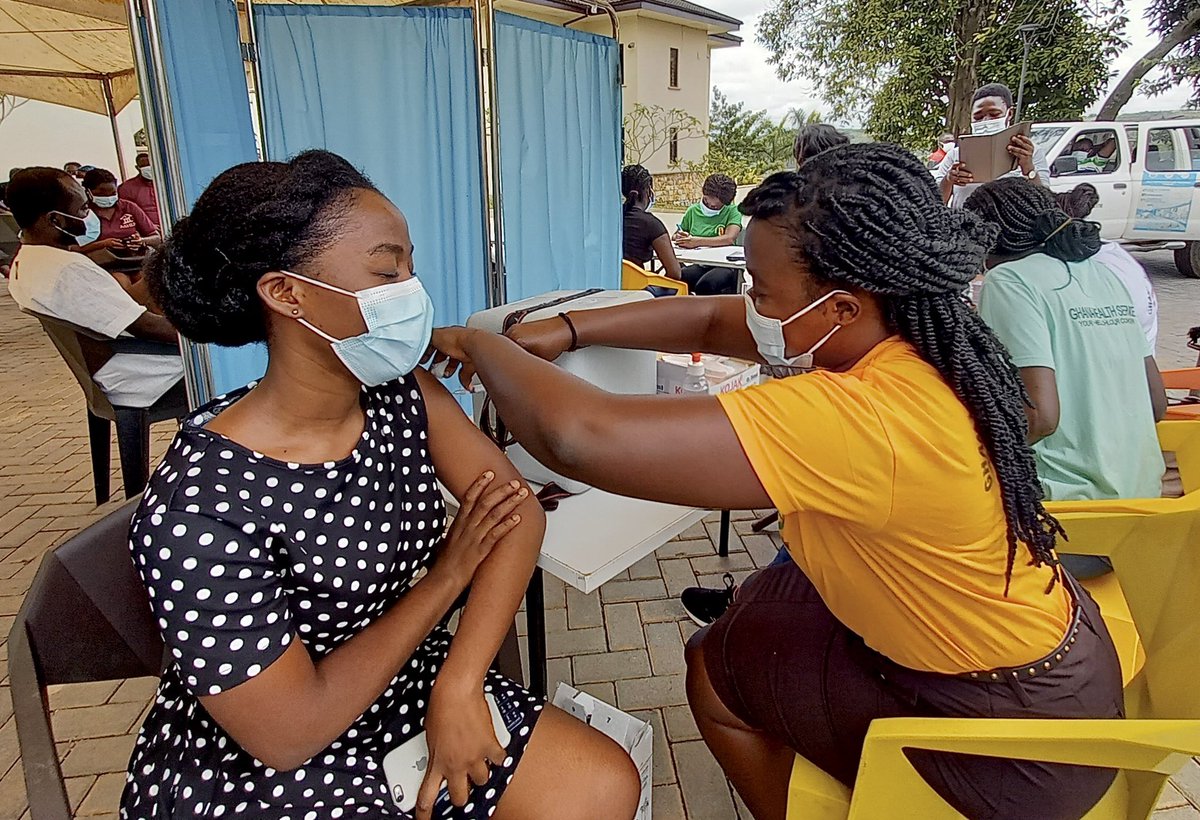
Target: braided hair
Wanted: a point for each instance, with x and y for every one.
(254, 218)
(1078, 202)
(869, 217)
(1030, 221)
(635, 181)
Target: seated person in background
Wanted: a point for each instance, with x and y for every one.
(123, 225)
(813, 139)
(140, 191)
(643, 235)
(945, 143)
(294, 540)
(49, 279)
(713, 222)
(991, 112)
(72, 168)
(1078, 204)
(1092, 158)
(1070, 325)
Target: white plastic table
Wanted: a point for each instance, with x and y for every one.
(717, 257)
(590, 539)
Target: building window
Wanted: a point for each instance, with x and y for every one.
(674, 68)
(674, 146)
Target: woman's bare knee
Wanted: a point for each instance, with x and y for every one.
(571, 772)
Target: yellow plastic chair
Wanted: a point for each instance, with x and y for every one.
(1187, 378)
(635, 278)
(1154, 545)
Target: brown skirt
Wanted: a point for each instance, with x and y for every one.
(782, 662)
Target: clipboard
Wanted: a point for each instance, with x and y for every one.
(986, 155)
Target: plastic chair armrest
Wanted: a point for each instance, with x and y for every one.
(1160, 746)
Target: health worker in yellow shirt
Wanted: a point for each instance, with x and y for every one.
(924, 579)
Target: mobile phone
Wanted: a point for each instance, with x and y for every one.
(404, 767)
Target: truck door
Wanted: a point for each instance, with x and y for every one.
(1166, 201)
(1103, 159)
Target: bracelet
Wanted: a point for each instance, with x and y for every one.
(574, 333)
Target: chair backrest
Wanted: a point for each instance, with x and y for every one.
(1154, 545)
(86, 618)
(85, 353)
(636, 278)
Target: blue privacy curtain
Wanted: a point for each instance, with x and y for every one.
(393, 90)
(211, 118)
(560, 131)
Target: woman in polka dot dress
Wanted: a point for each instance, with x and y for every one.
(293, 540)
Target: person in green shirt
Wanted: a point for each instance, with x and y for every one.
(713, 222)
(1071, 328)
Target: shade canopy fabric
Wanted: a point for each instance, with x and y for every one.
(61, 51)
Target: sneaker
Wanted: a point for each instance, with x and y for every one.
(704, 606)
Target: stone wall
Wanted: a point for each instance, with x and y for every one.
(676, 191)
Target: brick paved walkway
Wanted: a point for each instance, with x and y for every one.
(623, 644)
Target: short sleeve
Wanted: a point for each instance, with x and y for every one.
(1015, 315)
(654, 228)
(216, 595)
(87, 295)
(817, 445)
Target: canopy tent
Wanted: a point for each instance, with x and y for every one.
(75, 53)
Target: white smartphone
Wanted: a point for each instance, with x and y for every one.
(404, 767)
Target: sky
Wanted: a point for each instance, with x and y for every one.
(41, 134)
(744, 74)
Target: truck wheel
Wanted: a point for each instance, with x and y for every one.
(1187, 259)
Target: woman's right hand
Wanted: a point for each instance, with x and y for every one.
(547, 339)
(485, 515)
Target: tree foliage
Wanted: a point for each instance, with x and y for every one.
(748, 145)
(1182, 66)
(648, 130)
(909, 69)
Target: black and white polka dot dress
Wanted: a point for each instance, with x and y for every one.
(243, 554)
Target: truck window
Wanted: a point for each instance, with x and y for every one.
(1192, 135)
(1131, 131)
(1044, 136)
(1161, 155)
(1096, 151)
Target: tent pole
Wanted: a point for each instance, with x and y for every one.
(489, 122)
(164, 151)
(260, 110)
(111, 109)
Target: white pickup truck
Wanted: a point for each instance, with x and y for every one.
(1147, 174)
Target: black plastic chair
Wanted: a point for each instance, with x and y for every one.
(87, 618)
(85, 352)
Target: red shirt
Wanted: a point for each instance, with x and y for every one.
(126, 219)
(141, 193)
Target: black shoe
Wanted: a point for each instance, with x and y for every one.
(704, 606)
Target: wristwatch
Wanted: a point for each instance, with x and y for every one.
(1033, 173)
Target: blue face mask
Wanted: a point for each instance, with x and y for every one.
(399, 319)
(90, 225)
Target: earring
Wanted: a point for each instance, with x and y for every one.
(295, 312)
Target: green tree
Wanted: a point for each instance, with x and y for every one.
(908, 69)
(747, 145)
(1176, 54)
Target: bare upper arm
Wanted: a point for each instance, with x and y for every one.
(1042, 386)
(679, 450)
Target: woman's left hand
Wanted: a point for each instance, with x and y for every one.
(462, 745)
(449, 345)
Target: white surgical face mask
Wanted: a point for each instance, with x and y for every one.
(769, 338)
(650, 204)
(105, 201)
(707, 211)
(147, 172)
(90, 223)
(399, 319)
(992, 126)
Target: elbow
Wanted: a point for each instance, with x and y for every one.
(1041, 427)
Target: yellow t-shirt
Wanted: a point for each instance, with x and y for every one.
(890, 505)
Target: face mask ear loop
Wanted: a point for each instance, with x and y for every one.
(318, 331)
(824, 339)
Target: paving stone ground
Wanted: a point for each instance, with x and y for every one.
(623, 644)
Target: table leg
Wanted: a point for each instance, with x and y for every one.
(723, 546)
(535, 619)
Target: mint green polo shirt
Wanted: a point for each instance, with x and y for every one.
(1078, 319)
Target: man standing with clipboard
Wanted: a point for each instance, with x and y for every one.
(991, 113)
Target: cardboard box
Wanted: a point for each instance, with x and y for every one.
(634, 736)
(723, 373)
